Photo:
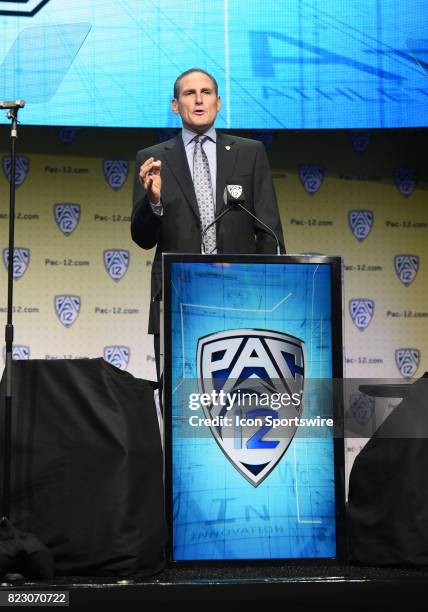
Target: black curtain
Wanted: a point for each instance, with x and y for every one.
(87, 467)
(388, 488)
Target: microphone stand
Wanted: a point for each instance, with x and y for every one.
(21, 554)
(5, 508)
(278, 248)
(225, 211)
(228, 202)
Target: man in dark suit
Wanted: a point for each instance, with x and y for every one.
(170, 199)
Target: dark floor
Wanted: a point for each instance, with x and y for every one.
(295, 588)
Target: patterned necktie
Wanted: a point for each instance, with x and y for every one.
(204, 193)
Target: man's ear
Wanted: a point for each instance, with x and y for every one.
(174, 106)
(218, 104)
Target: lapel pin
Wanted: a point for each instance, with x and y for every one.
(227, 147)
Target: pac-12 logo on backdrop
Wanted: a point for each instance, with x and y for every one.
(361, 223)
(407, 360)
(165, 134)
(360, 140)
(117, 356)
(311, 177)
(22, 168)
(361, 311)
(67, 135)
(21, 259)
(405, 180)
(67, 217)
(115, 172)
(406, 267)
(362, 408)
(20, 352)
(251, 367)
(67, 308)
(267, 137)
(116, 262)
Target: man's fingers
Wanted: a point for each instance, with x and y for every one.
(150, 176)
(155, 167)
(150, 166)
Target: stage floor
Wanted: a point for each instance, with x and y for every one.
(294, 587)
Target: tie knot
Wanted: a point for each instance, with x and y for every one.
(200, 139)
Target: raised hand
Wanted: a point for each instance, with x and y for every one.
(150, 178)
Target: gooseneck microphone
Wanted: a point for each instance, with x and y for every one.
(223, 212)
(234, 195)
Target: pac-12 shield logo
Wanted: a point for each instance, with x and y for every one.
(165, 134)
(361, 223)
(406, 267)
(117, 356)
(267, 137)
(251, 367)
(21, 259)
(360, 140)
(361, 311)
(116, 262)
(405, 180)
(67, 217)
(67, 135)
(115, 172)
(311, 177)
(22, 167)
(67, 308)
(362, 407)
(235, 191)
(407, 360)
(20, 352)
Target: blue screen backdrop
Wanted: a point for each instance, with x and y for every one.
(295, 64)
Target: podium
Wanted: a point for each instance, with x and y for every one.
(254, 453)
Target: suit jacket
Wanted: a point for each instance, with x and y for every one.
(178, 230)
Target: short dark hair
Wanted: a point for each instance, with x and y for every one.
(183, 74)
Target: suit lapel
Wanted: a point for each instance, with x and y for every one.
(176, 159)
(226, 157)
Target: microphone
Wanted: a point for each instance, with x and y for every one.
(223, 212)
(12, 104)
(234, 195)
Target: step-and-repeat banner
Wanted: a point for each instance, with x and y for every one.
(81, 285)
